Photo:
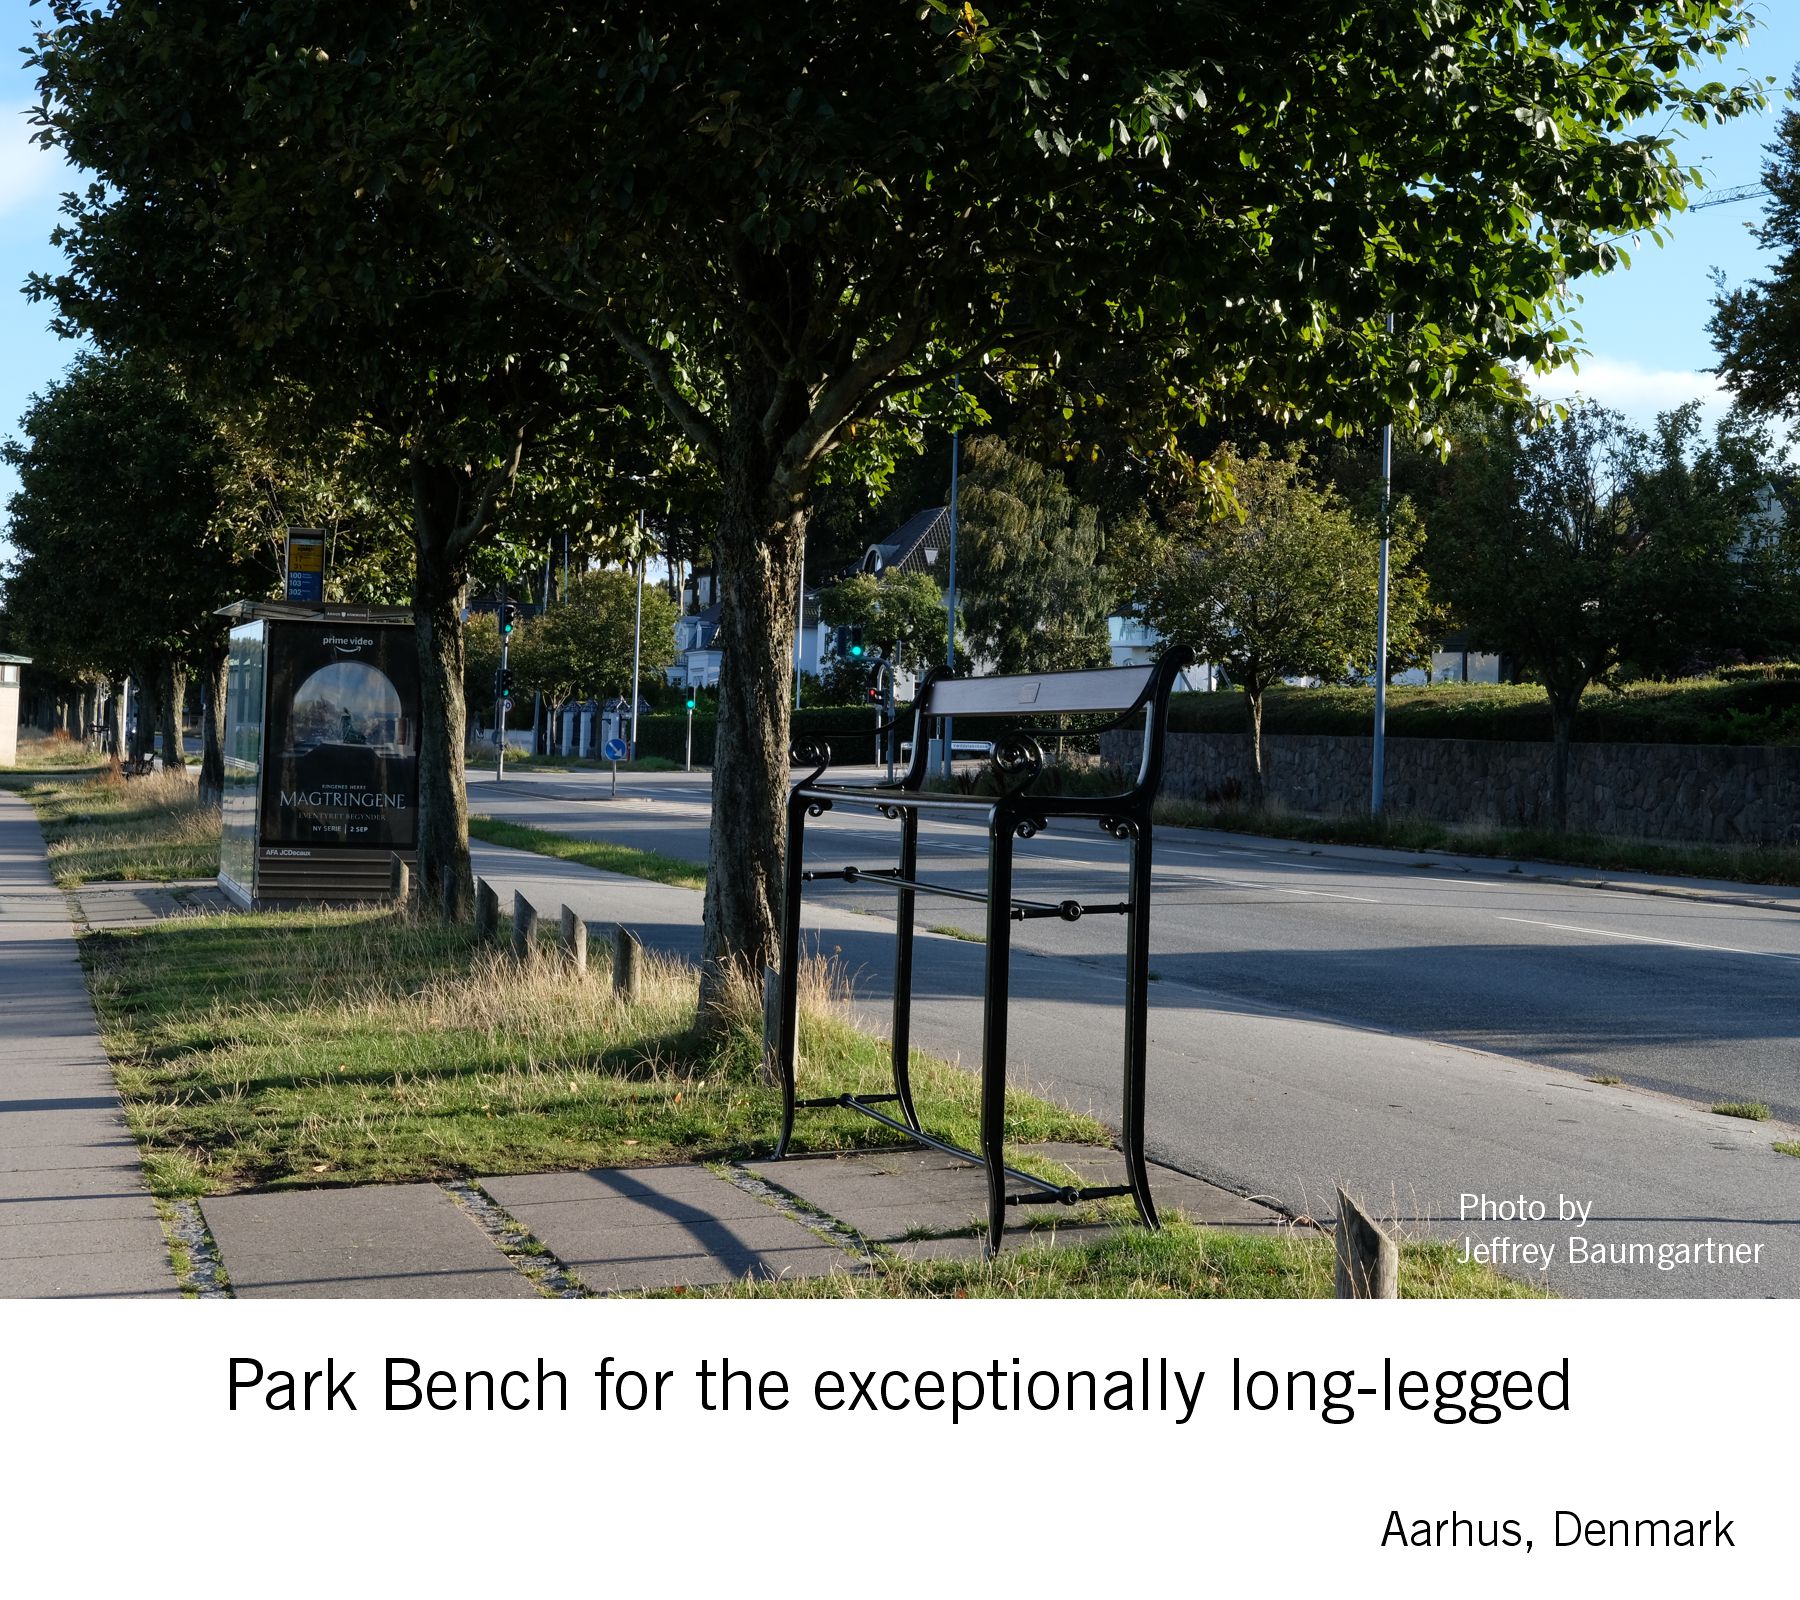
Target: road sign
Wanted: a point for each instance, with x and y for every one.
(305, 565)
(614, 750)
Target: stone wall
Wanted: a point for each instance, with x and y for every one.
(1715, 793)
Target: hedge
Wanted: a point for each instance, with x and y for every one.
(1763, 710)
(849, 730)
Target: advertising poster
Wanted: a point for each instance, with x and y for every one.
(342, 748)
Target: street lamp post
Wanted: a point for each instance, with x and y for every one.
(949, 731)
(637, 637)
(1378, 772)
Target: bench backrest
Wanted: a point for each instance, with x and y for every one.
(1023, 697)
(1038, 694)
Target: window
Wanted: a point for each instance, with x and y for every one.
(9, 672)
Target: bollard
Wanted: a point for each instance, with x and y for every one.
(487, 910)
(400, 882)
(627, 967)
(1368, 1261)
(771, 1023)
(574, 938)
(524, 926)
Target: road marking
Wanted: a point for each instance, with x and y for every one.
(1644, 938)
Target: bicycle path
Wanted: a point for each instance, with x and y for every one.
(75, 1215)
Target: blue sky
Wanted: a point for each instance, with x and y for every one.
(1645, 327)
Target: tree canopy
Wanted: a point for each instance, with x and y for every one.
(1282, 586)
(1578, 545)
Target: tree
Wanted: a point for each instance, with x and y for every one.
(252, 219)
(899, 612)
(1035, 589)
(1576, 545)
(581, 648)
(127, 545)
(1284, 587)
(1756, 329)
(802, 224)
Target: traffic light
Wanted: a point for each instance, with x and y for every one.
(507, 612)
(503, 680)
(856, 644)
(875, 693)
(690, 703)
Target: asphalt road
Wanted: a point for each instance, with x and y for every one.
(1426, 1031)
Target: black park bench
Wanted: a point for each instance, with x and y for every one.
(1013, 708)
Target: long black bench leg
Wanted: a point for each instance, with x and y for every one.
(1137, 1024)
(993, 1022)
(903, 964)
(787, 1047)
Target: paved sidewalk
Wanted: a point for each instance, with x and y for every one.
(625, 1230)
(75, 1217)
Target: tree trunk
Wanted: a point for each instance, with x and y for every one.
(116, 720)
(173, 693)
(214, 671)
(144, 737)
(758, 551)
(1254, 706)
(440, 582)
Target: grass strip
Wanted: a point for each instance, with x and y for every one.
(601, 853)
(1179, 1260)
(302, 1049)
(103, 828)
(1771, 864)
(54, 753)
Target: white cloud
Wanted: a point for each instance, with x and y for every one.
(1637, 391)
(29, 174)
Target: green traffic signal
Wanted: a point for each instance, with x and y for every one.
(856, 650)
(690, 702)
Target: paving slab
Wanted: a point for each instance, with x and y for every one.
(75, 1215)
(125, 905)
(625, 1228)
(80, 1236)
(136, 1273)
(117, 1155)
(389, 1242)
(890, 1196)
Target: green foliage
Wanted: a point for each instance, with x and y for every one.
(1756, 329)
(122, 522)
(1282, 586)
(581, 648)
(1578, 545)
(940, 185)
(898, 610)
(1031, 584)
(849, 730)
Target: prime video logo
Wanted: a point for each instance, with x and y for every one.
(349, 642)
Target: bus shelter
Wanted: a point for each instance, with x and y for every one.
(321, 753)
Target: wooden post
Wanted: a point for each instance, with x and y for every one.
(1368, 1261)
(487, 910)
(574, 938)
(524, 926)
(401, 881)
(627, 968)
(771, 1022)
